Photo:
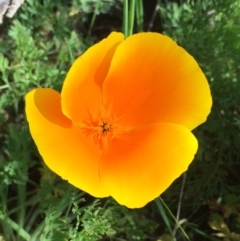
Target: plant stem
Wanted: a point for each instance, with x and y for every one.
(163, 214)
(153, 16)
(38, 231)
(21, 204)
(171, 214)
(131, 17)
(139, 15)
(125, 18)
(179, 205)
(21, 232)
(93, 18)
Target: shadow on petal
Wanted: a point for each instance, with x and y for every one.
(50, 108)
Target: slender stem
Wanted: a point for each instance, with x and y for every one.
(70, 52)
(21, 205)
(34, 214)
(93, 18)
(163, 213)
(21, 232)
(156, 10)
(125, 18)
(38, 231)
(139, 15)
(173, 217)
(16, 209)
(179, 205)
(131, 17)
(6, 229)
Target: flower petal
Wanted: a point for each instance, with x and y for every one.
(81, 91)
(152, 79)
(64, 148)
(138, 166)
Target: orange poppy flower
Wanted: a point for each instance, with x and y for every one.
(122, 124)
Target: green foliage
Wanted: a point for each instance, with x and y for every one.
(95, 222)
(14, 169)
(217, 224)
(36, 50)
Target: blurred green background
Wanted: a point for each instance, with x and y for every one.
(38, 46)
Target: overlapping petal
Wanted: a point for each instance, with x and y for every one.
(138, 166)
(121, 125)
(81, 93)
(152, 79)
(64, 147)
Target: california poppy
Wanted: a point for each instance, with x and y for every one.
(122, 124)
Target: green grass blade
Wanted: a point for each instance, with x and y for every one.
(131, 17)
(171, 214)
(125, 18)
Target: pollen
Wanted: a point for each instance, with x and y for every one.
(100, 129)
(106, 127)
(103, 128)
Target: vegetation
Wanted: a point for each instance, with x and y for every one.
(37, 48)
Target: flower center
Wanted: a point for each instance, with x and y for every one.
(102, 130)
(106, 127)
